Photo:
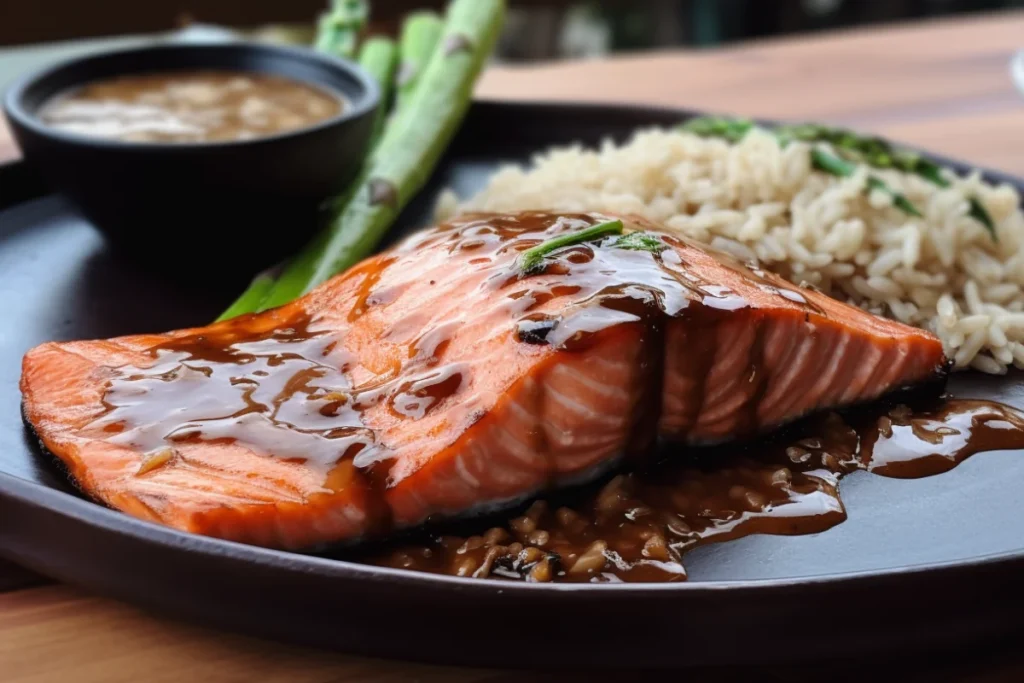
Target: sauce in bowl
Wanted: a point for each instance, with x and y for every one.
(190, 107)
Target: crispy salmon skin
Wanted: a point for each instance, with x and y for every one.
(439, 379)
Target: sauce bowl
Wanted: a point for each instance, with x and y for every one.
(230, 207)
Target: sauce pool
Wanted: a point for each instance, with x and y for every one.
(638, 526)
(190, 107)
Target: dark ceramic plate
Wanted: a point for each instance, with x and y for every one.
(920, 564)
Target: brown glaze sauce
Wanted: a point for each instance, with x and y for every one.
(279, 391)
(289, 393)
(638, 526)
(284, 393)
(200, 106)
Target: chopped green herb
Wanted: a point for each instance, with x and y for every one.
(850, 147)
(640, 241)
(732, 130)
(823, 161)
(979, 214)
(836, 166)
(899, 201)
(532, 260)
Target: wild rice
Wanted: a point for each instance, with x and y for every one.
(942, 272)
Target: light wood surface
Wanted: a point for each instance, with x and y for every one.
(943, 85)
(58, 634)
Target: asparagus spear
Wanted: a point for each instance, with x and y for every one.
(251, 297)
(379, 56)
(421, 33)
(338, 29)
(410, 148)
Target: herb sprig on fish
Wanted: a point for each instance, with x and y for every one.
(532, 260)
(850, 149)
(640, 241)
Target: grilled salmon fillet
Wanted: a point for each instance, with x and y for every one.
(440, 379)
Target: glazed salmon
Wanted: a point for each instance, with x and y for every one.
(439, 379)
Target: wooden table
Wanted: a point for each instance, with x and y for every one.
(943, 85)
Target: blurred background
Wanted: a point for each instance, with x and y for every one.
(36, 33)
(537, 29)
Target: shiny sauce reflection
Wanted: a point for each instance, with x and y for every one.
(279, 391)
(284, 392)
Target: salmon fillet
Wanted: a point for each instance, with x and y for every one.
(437, 379)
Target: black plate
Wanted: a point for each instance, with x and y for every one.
(923, 563)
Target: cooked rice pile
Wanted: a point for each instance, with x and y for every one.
(764, 203)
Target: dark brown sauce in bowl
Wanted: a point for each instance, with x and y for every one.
(199, 193)
(190, 107)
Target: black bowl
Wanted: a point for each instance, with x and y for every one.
(229, 207)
